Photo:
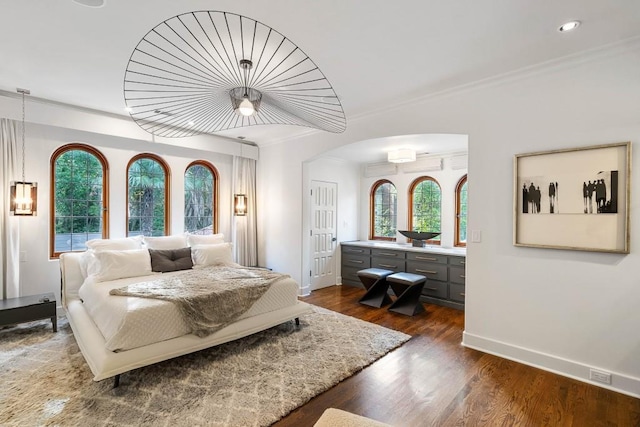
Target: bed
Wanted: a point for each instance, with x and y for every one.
(112, 356)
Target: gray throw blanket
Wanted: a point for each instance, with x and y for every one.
(208, 298)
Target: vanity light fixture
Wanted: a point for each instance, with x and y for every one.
(23, 194)
(403, 155)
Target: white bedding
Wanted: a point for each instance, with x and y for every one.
(130, 322)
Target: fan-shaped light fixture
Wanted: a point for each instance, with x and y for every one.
(403, 155)
(221, 71)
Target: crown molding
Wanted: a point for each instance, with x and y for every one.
(565, 62)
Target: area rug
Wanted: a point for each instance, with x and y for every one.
(253, 381)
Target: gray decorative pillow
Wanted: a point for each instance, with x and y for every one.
(165, 260)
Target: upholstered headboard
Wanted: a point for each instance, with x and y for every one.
(71, 276)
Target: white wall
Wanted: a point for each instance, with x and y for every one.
(564, 311)
(447, 178)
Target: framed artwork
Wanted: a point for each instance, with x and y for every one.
(575, 199)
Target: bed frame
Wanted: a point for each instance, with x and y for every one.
(105, 363)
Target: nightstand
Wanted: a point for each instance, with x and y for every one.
(27, 309)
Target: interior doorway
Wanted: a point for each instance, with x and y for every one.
(324, 196)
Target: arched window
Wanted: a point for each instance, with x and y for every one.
(425, 206)
(383, 211)
(79, 198)
(148, 180)
(200, 198)
(461, 212)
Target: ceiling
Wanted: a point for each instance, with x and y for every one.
(375, 53)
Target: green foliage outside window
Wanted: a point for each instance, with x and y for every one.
(198, 200)
(427, 204)
(146, 180)
(385, 201)
(463, 213)
(78, 215)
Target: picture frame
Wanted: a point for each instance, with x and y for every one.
(574, 199)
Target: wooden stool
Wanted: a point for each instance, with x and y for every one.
(374, 281)
(408, 288)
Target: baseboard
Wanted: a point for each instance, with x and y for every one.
(620, 383)
(305, 290)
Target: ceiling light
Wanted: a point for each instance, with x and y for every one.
(128, 109)
(233, 71)
(90, 3)
(571, 25)
(404, 155)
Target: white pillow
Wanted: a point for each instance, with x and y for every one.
(219, 254)
(122, 244)
(166, 242)
(113, 265)
(208, 239)
(88, 262)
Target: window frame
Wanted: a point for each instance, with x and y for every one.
(459, 185)
(372, 209)
(167, 190)
(412, 188)
(216, 182)
(52, 193)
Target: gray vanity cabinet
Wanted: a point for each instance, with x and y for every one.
(354, 259)
(445, 273)
(457, 278)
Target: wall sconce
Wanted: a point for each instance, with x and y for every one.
(240, 204)
(23, 195)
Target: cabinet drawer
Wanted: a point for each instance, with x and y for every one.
(395, 265)
(358, 261)
(431, 271)
(457, 261)
(457, 275)
(456, 292)
(385, 253)
(350, 276)
(355, 250)
(427, 257)
(436, 289)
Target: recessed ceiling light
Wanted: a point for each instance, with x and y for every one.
(571, 25)
(90, 3)
(128, 109)
(192, 123)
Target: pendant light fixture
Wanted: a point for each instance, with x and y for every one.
(185, 69)
(248, 103)
(23, 194)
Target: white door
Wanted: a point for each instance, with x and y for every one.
(323, 233)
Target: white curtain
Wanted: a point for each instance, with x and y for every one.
(244, 228)
(9, 226)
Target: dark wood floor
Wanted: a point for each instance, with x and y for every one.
(433, 380)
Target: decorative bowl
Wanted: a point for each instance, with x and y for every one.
(418, 237)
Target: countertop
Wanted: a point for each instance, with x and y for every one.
(406, 247)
